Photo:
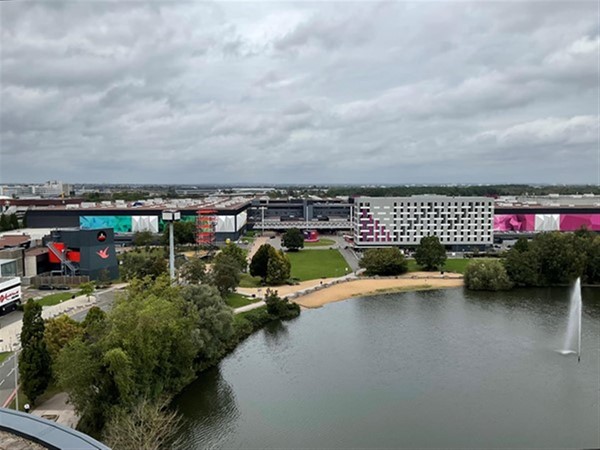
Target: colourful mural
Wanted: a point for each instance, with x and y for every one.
(573, 222)
(514, 222)
(120, 224)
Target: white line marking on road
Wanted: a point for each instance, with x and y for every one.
(11, 372)
(2, 382)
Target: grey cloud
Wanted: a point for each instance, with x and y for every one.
(332, 92)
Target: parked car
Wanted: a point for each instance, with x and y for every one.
(62, 287)
(45, 287)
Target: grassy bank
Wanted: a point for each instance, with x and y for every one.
(320, 243)
(4, 356)
(315, 264)
(236, 300)
(457, 265)
(55, 299)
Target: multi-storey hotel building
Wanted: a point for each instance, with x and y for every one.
(459, 222)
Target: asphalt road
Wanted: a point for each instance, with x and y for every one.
(104, 300)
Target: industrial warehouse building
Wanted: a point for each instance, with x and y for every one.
(459, 222)
(227, 217)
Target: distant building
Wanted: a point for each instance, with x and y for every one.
(458, 222)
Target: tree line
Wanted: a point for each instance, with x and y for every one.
(548, 259)
(9, 222)
(121, 368)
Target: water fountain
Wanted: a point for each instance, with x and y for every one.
(573, 338)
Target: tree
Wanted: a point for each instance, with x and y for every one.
(522, 267)
(559, 260)
(278, 268)
(149, 425)
(14, 222)
(194, 271)
(522, 245)
(280, 308)
(146, 350)
(430, 253)
(293, 239)
(260, 260)
(143, 238)
(183, 233)
(384, 261)
(215, 323)
(225, 274)
(87, 289)
(4, 222)
(486, 275)
(59, 331)
(237, 254)
(139, 264)
(34, 360)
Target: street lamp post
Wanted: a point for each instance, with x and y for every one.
(170, 217)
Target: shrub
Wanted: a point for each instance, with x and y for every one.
(384, 261)
(486, 275)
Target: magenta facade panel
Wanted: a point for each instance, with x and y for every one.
(573, 222)
(514, 222)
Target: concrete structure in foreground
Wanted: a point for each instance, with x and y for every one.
(45, 433)
(459, 222)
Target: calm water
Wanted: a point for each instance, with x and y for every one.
(444, 369)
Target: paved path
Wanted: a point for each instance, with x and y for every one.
(58, 409)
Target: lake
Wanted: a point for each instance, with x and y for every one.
(444, 368)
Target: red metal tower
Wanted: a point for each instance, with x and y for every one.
(206, 223)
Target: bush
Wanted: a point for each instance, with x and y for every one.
(384, 261)
(486, 275)
(430, 254)
(281, 307)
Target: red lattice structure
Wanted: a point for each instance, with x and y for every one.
(206, 223)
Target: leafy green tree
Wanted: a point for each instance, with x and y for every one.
(194, 271)
(143, 238)
(592, 267)
(4, 222)
(522, 245)
(522, 267)
(384, 261)
(59, 331)
(215, 324)
(280, 308)
(260, 260)
(237, 254)
(183, 233)
(278, 268)
(293, 239)
(147, 350)
(225, 273)
(486, 275)
(14, 222)
(559, 260)
(139, 264)
(87, 289)
(430, 253)
(34, 360)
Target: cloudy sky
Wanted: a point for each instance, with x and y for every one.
(345, 92)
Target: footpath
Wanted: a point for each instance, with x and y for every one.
(10, 334)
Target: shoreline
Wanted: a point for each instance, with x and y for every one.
(374, 286)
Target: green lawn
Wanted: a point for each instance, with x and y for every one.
(320, 243)
(457, 265)
(236, 300)
(314, 264)
(54, 299)
(4, 355)
(248, 281)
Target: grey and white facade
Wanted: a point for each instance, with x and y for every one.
(403, 221)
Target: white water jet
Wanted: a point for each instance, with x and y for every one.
(573, 338)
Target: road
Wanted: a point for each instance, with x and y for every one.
(104, 300)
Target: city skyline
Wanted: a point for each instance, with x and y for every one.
(305, 93)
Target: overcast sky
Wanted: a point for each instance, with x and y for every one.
(361, 92)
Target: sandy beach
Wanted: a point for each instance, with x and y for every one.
(360, 287)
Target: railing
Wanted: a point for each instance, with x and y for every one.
(302, 225)
(60, 255)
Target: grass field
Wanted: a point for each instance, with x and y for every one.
(248, 281)
(457, 265)
(236, 300)
(4, 355)
(55, 299)
(320, 243)
(314, 264)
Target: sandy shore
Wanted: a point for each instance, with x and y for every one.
(360, 287)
